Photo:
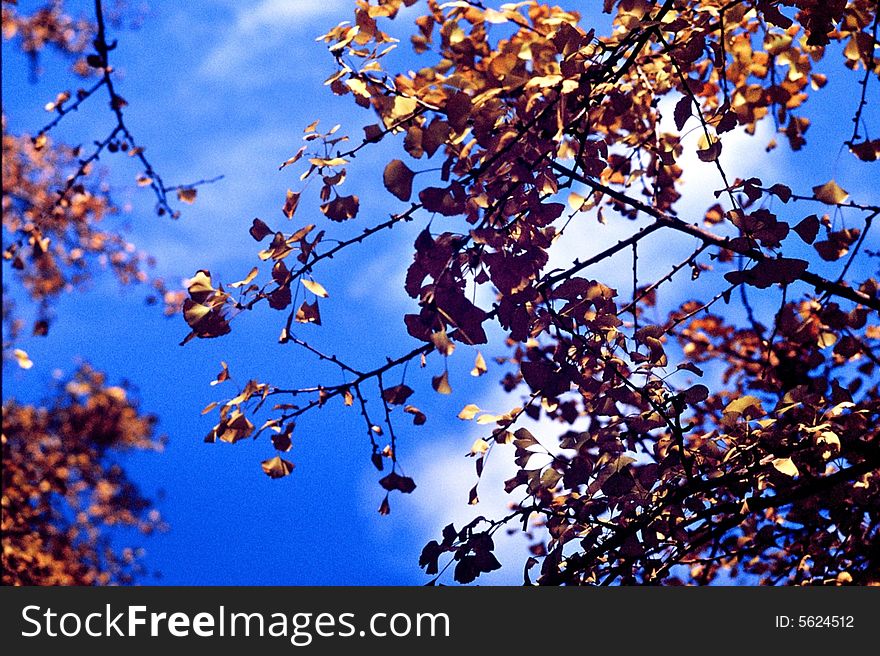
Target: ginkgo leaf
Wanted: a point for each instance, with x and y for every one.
(223, 376)
(398, 179)
(745, 405)
(479, 446)
(277, 467)
(441, 383)
(419, 417)
(394, 481)
(358, 86)
(247, 279)
(259, 230)
(308, 313)
(22, 358)
(442, 343)
(469, 412)
(830, 193)
(282, 442)
(710, 152)
(293, 159)
(341, 208)
(458, 110)
(200, 286)
(187, 195)
(397, 395)
(290, 203)
(682, 111)
(808, 228)
(479, 365)
(315, 287)
(785, 466)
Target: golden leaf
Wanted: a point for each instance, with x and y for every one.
(468, 412)
(315, 287)
(786, 466)
(21, 357)
(479, 365)
(830, 193)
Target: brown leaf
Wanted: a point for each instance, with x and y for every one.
(837, 245)
(291, 203)
(309, 313)
(682, 112)
(293, 159)
(187, 195)
(247, 279)
(867, 151)
(710, 153)
(436, 199)
(808, 228)
(277, 467)
(398, 179)
(419, 417)
(341, 208)
(469, 412)
(458, 110)
(442, 343)
(395, 481)
(397, 395)
(280, 298)
(783, 270)
(259, 230)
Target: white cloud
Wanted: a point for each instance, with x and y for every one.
(260, 28)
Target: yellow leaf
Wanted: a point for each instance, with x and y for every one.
(441, 383)
(358, 87)
(479, 446)
(479, 365)
(468, 412)
(487, 419)
(248, 278)
(786, 466)
(830, 193)
(315, 287)
(740, 405)
(22, 358)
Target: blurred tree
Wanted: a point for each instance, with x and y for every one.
(539, 124)
(62, 488)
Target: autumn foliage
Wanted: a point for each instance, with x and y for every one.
(714, 420)
(521, 122)
(63, 487)
(65, 496)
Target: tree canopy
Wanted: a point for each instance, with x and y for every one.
(537, 123)
(714, 420)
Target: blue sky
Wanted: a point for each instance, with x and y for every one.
(224, 87)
